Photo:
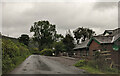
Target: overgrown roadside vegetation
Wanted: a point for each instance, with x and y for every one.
(93, 67)
(13, 53)
(47, 52)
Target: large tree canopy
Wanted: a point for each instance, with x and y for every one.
(83, 34)
(44, 33)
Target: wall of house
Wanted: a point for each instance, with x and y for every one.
(77, 53)
(81, 53)
(119, 57)
(114, 55)
(93, 46)
(117, 53)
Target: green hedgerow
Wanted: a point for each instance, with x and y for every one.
(47, 52)
(12, 53)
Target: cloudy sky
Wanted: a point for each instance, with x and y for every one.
(17, 17)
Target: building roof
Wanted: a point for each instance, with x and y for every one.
(112, 34)
(108, 31)
(116, 37)
(102, 39)
(82, 45)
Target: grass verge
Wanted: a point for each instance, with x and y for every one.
(19, 61)
(93, 68)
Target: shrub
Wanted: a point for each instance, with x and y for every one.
(12, 54)
(81, 63)
(96, 66)
(35, 51)
(92, 63)
(47, 52)
(113, 70)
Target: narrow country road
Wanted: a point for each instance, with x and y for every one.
(37, 64)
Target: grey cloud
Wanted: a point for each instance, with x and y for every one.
(105, 5)
(64, 15)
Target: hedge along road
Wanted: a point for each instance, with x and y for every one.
(37, 64)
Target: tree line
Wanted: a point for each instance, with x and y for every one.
(45, 34)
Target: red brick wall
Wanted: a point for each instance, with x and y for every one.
(105, 47)
(93, 46)
(114, 54)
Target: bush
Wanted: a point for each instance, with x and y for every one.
(47, 52)
(13, 53)
(92, 63)
(81, 63)
(99, 65)
(34, 50)
(113, 70)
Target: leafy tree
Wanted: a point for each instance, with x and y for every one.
(59, 47)
(24, 39)
(44, 33)
(69, 43)
(59, 37)
(83, 34)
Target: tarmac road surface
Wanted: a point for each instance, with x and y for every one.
(37, 64)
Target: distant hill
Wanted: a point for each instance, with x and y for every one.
(11, 38)
(31, 46)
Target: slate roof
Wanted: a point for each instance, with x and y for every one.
(113, 36)
(112, 32)
(104, 39)
(116, 37)
(115, 32)
(82, 45)
(109, 31)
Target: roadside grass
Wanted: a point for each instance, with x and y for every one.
(92, 68)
